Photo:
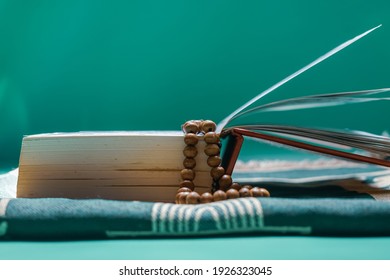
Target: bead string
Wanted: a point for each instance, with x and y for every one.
(223, 186)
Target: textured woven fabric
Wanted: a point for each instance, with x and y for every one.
(350, 207)
(57, 218)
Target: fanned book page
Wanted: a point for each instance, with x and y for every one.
(336, 138)
(361, 133)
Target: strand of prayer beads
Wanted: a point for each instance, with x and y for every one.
(223, 186)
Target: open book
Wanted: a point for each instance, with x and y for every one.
(146, 165)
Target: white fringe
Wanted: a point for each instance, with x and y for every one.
(283, 165)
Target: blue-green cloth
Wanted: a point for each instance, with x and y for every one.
(348, 207)
(58, 218)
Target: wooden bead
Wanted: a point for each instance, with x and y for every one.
(177, 199)
(198, 122)
(212, 150)
(236, 186)
(191, 139)
(190, 151)
(245, 192)
(225, 182)
(183, 189)
(214, 161)
(187, 174)
(247, 186)
(256, 192)
(208, 126)
(206, 197)
(265, 192)
(232, 193)
(187, 184)
(191, 127)
(219, 195)
(182, 197)
(211, 138)
(189, 163)
(259, 192)
(193, 198)
(217, 172)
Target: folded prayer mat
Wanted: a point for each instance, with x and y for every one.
(59, 218)
(344, 201)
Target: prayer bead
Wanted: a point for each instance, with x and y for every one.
(206, 197)
(187, 174)
(193, 198)
(208, 126)
(189, 163)
(245, 192)
(232, 193)
(191, 127)
(211, 138)
(212, 150)
(184, 189)
(225, 182)
(256, 192)
(177, 198)
(191, 139)
(219, 195)
(187, 184)
(217, 172)
(182, 197)
(214, 161)
(236, 186)
(199, 124)
(259, 192)
(190, 151)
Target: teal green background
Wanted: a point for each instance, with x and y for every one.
(227, 248)
(142, 65)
